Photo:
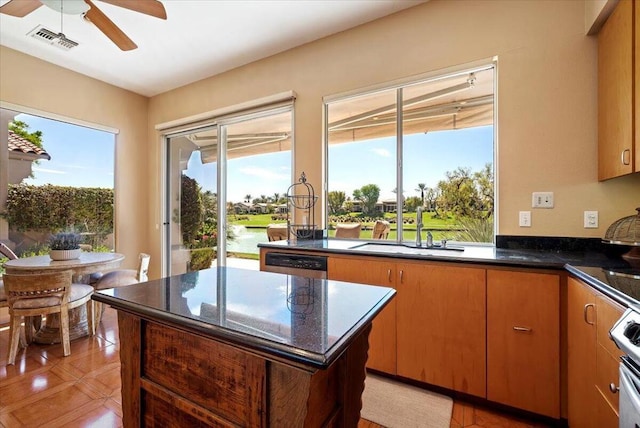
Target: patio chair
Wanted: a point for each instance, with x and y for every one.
(380, 230)
(121, 278)
(43, 294)
(277, 232)
(348, 230)
(6, 252)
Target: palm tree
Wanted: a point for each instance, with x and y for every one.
(421, 188)
(247, 198)
(276, 198)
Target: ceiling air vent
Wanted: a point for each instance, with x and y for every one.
(51, 38)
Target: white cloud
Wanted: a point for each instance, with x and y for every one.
(382, 152)
(50, 171)
(264, 173)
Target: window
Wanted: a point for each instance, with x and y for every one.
(58, 177)
(421, 146)
(241, 162)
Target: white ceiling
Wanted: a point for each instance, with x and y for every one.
(200, 38)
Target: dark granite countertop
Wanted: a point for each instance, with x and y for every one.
(304, 320)
(523, 257)
(621, 284)
(595, 263)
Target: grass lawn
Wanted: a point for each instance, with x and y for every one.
(441, 229)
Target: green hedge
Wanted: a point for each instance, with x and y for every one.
(58, 208)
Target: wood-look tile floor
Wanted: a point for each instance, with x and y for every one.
(44, 388)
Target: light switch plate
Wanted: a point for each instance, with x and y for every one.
(525, 219)
(542, 200)
(591, 219)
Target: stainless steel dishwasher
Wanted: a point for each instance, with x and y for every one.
(296, 264)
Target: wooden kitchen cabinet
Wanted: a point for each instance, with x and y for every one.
(593, 358)
(618, 145)
(607, 353)
(581, 345)
(382, 339)
(441, 316)
(523, 340)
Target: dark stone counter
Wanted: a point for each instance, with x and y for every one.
(598, 264)
(309, 321)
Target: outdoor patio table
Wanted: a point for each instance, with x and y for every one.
(88, 263)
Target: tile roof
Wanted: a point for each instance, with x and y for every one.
(22, 145)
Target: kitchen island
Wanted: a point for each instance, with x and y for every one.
(233, 347)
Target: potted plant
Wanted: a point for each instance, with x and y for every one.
(64, 246)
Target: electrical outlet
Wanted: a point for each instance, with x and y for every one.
(542, 200)
(591, 219)
(525, 218)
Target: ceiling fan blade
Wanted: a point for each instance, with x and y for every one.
(148, 7)
(20, 8)
(109, 29)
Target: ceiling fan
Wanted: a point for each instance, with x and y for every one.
(21, 8)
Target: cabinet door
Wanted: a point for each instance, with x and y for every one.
(523, 340)
(581, 342)
(607, 353)
(615, 94)
(636, 56)
(382, 339)
(441, 326)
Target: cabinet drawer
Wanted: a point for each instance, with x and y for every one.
(607, 367)
(232, 382)
(608, 313)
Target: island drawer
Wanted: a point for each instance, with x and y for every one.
(207, 373)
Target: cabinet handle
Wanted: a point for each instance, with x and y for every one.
(525, 329)
(625, 157)
(389, 275)
(401, 275)
(586, 310)
(613, 388)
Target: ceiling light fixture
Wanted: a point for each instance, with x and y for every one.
(69, 7)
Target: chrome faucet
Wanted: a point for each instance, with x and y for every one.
(419, 227)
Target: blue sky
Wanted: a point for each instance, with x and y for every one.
(80, 157)
(426, 159)
(85, 157)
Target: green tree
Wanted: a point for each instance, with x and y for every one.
(191, 210)
(484, 182)
(458, 194)
(421, 188)
(335, 200)
(209, 212)
(412, 203)
(431, 197)
(22, 129)
(368, 195)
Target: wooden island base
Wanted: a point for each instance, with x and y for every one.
(176, 377)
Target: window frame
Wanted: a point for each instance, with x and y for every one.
(398, 85)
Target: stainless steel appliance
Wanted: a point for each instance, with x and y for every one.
(296, 264)
(626, 334)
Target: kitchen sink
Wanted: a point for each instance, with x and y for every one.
(394, 248)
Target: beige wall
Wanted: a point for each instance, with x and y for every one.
(547, 98)
(29, 82)
(547, 106)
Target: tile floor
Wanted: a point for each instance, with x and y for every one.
(44, 388)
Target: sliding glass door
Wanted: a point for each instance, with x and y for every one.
(225, 183)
